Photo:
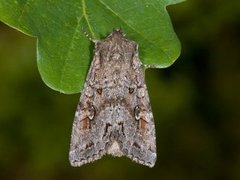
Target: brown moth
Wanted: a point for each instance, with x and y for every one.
(114, 115)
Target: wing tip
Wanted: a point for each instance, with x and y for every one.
(76, 161)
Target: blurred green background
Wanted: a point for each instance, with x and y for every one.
(196, 106)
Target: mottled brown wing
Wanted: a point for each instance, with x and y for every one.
(114, 114)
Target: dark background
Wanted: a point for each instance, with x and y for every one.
(195, 102)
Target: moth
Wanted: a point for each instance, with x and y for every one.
(114, 115)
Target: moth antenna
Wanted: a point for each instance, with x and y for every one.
(89, 36)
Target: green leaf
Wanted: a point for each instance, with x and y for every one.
(63, 50)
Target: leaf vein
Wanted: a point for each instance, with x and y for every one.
(85, 15)
(23, 10)
(69, 50)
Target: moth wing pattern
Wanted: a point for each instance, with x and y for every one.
(86, 144)
(114, 115)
